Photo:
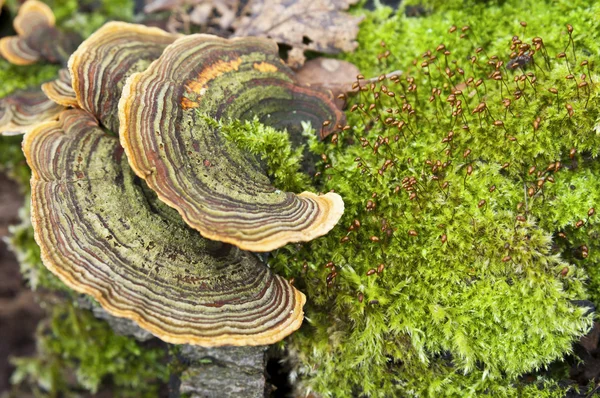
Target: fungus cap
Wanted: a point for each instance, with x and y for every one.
(104, 233)
(32, 15)
(22, 110)
(60, 90)
(37, 37)
(165, 115)
(17, 52)
(99, 72)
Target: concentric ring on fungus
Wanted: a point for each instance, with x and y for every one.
(104, 233)
(102, 64)
(216, 187)
(33, 15)
(37, 37)
(60, 90)
(22, 110)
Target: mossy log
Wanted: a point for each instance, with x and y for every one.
(209, 372)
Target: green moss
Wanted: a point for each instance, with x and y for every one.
(264, 141)
(476, 287)
(74, 343)
(15, 77)
(12, 160)
(86, 23)
(23, 244)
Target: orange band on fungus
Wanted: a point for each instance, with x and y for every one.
(216, 187)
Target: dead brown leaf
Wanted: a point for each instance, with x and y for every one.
(165, 5)
(318, 25)
(333, 74)
(221, 13)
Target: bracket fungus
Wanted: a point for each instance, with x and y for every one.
(22, 110)
(100, 202)
(99, 72)
(214, 185)
(60, 90)
(37, 37)
(104, 233)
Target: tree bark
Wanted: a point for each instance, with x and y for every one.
(224, 372)
(218, 372)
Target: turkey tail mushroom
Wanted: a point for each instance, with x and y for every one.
(60, 90)
(104, 233)
(216, 187)
(99, 72)
(22, 110)
(37, 37)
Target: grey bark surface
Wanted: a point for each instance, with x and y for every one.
(224, 372)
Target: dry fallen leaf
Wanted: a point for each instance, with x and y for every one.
(333, 74)
(221, 13)
(318, 25)
(295, 58)
(164, 5)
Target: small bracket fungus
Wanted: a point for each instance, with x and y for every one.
(38, 38)
(60, 90)
(22, 110)
(216, 187)
(104, 233)
(99, 72)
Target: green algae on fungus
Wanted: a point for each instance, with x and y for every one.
(455, 190)
(147, 264)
